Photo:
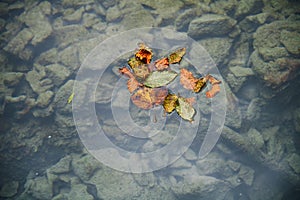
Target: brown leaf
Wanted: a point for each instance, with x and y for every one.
(170, 102)
(146, 98)
(190, 82)
(144, 54)
(162, 64)
(215, 89)
(132, 83)
(176, 56)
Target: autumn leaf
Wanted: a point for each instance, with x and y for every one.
(144, 54)
(134, 63)
(146, 98)
(132, 83)
(176, 56)
(170, 102)
(159, 78)
(184, 109)
(215, 88)
(189, 82)
(162, 64)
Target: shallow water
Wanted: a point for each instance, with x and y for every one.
(52, 149)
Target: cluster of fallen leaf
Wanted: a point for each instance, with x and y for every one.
(147, 82)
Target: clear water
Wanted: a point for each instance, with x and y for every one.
(44, 45)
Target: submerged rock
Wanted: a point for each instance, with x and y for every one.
(57, 73)
(211, 25)
(18, 43)
(39, 188)
(9, 189)
(201, 187)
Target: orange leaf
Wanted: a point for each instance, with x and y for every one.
(215, 89)
(125, 71)
(187, 79)
(162, 64)
(144, 54)
(146, 98)
(133, 84)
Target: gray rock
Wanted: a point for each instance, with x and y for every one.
(294, 162)
(296, 119)
(235, 82)
(246, 7)
(90, 19)
(211, 25)
(36, 79)
(84, 167)
(201, 187)
(43, 112)
(249, 91)
(166, 9)
(62, 166)
(270, 54)
(18, 43)
(10, 78)
(233, 113)
(291, 41)
(139, 18)
(44, 98)
(79, 192)
(16, 6)
(218, 48)
(254, 109)
(61, 97)
(48, 57)
(113, 13)
(74, 3)
(38, 23)
(255, 138)
(57, 73)
(241, 71)
(74, 16)
(69, 58)
(112, 184)
(9, 189)
(39, 188)
(65, 35)
(183, 20)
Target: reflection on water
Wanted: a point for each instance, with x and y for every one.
(255, 45)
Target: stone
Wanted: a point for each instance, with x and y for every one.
(84, 167)
(254, 109)
(201, 187)
(79, 192)
(74, 16)
(113, 13)
(246, 7)
(241, 71)
(139, 18)
(38, 23)
(294, 162)
(296, 119)
(218, 48)
(10, 78)
(36, 79)
(48, 57)
(62, 166)
(270, 54)
(291, 41)
(42, 112)
(61, 97)
(39, 188)
(211, 25)
(74, 3)
(66, 35)
(183, 20)
(233, 113)
(44, 99)
(18, 43)
(9, 189)
(90, 19)
(255, 138)
(112, 184)
(68, 57)
(249, 90)
(57, 73)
